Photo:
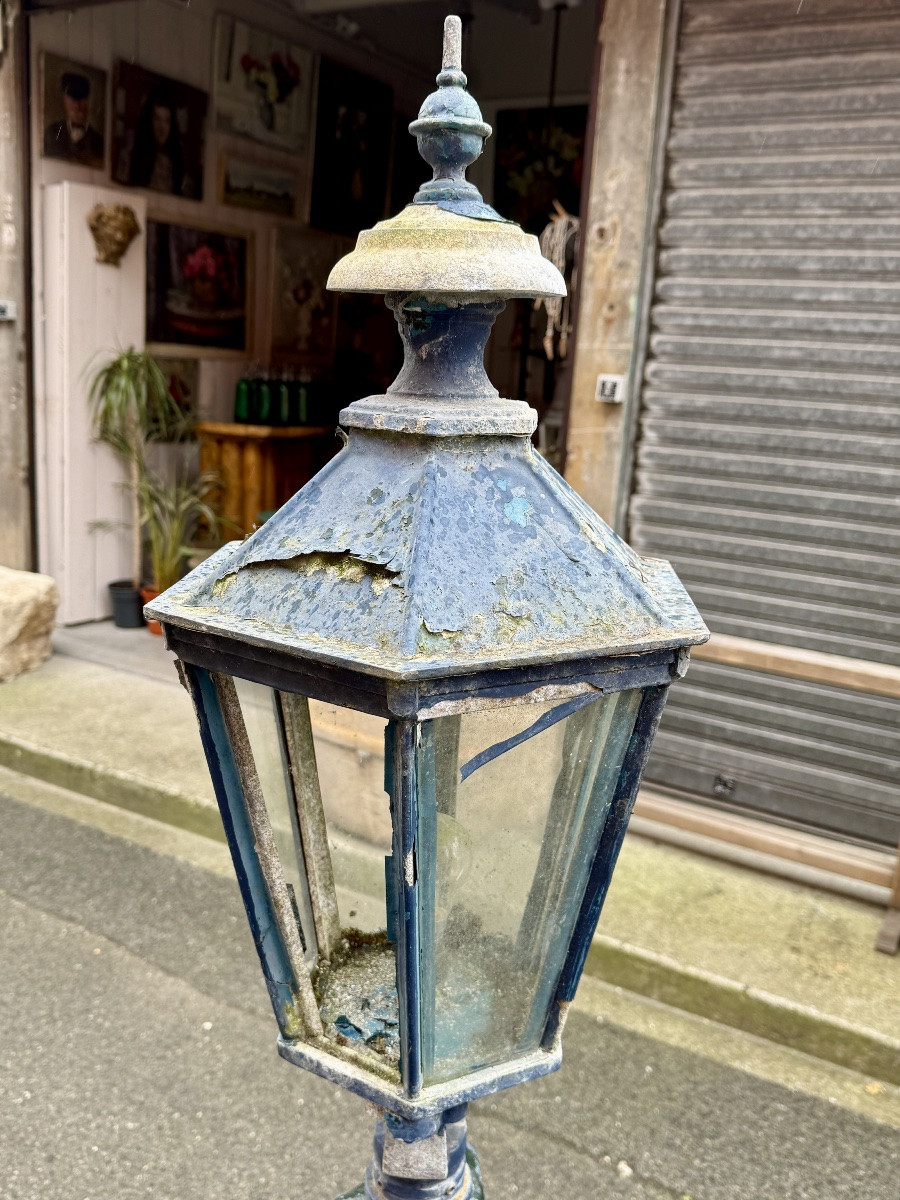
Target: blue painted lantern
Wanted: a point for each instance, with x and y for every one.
(439, 579)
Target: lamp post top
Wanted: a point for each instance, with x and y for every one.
(448, 242)
(438, 543)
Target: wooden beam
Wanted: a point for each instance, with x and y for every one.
(859, 674)
(796, 845)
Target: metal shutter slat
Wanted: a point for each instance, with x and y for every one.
(768, 456)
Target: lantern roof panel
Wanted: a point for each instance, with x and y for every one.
(410, 558)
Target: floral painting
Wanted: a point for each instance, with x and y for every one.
(304, 314)
(263, 86)
(196, 287)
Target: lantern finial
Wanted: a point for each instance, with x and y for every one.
(451, 133)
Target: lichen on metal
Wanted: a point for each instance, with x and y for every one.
(448, 242)
(438, 252)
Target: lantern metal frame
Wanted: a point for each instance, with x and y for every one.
(405, 706)
(436, 567)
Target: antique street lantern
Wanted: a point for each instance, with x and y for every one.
(439, 576)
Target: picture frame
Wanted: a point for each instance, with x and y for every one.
(263, 86)
(538, 158)
(304, 313)
(159, 128)
(73, 111)
(354, 129)
(199, 296)
(259, 187)
(182, 376)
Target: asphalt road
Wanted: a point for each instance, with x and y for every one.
(137, 1059)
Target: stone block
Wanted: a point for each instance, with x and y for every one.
(28, 604)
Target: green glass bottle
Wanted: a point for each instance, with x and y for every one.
(283, 405)
(242, 399)
(264, 399)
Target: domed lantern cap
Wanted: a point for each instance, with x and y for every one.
(448, 242)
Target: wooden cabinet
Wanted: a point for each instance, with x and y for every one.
(261, 466)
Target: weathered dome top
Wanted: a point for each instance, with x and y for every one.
(448, 242)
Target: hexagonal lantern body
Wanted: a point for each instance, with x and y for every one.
(439, 575)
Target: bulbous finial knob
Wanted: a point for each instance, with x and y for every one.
(450, 131)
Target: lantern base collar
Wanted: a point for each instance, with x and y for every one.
(409, 1163)
(474, 1182)
(431, 1101)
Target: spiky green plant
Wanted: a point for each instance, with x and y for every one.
(170, 514)
(131, 406)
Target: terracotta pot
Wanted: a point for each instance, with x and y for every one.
(148, 594)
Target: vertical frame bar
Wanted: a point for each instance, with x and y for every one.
(286, 979)
(636, 756)
(405, 876)
(426, 862)
(301, 754)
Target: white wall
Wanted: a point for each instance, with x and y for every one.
(89, 308)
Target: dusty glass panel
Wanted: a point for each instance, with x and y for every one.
(330, 818)
(357, 989)
(350, 757)
(259, 707)
(512, 803)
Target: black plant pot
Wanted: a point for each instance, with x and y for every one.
(127, 604)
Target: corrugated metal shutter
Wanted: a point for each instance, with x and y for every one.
(768, 462)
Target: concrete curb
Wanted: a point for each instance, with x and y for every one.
(634, 968)
(113, 787)
(744, 1007)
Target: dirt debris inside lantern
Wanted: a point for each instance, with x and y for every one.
(357, 994)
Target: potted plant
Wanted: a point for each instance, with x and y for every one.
(171, 513)
(131, 406)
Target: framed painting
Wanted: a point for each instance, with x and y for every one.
(182, 377)
(73, 111)
(158, 132)
(263, 86)
(197, 287)
(354, 126)
(538, 158)
(247, 184)
(304, 313)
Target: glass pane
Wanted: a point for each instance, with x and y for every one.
(350, 757)
(357, 990)
(342, 810)
(512, 803)
(262, 722)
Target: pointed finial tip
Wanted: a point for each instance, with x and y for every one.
(452, 58)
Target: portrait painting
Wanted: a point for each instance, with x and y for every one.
(304, 313)
(73, 113)
(158, 132)
(354, 125)
(263, 86)
(244, 183)
(197, 287)
(539, 158)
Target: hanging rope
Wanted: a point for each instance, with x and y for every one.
(555, 245)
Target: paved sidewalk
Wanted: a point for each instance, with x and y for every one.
(789, 963)
(138, 1059)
